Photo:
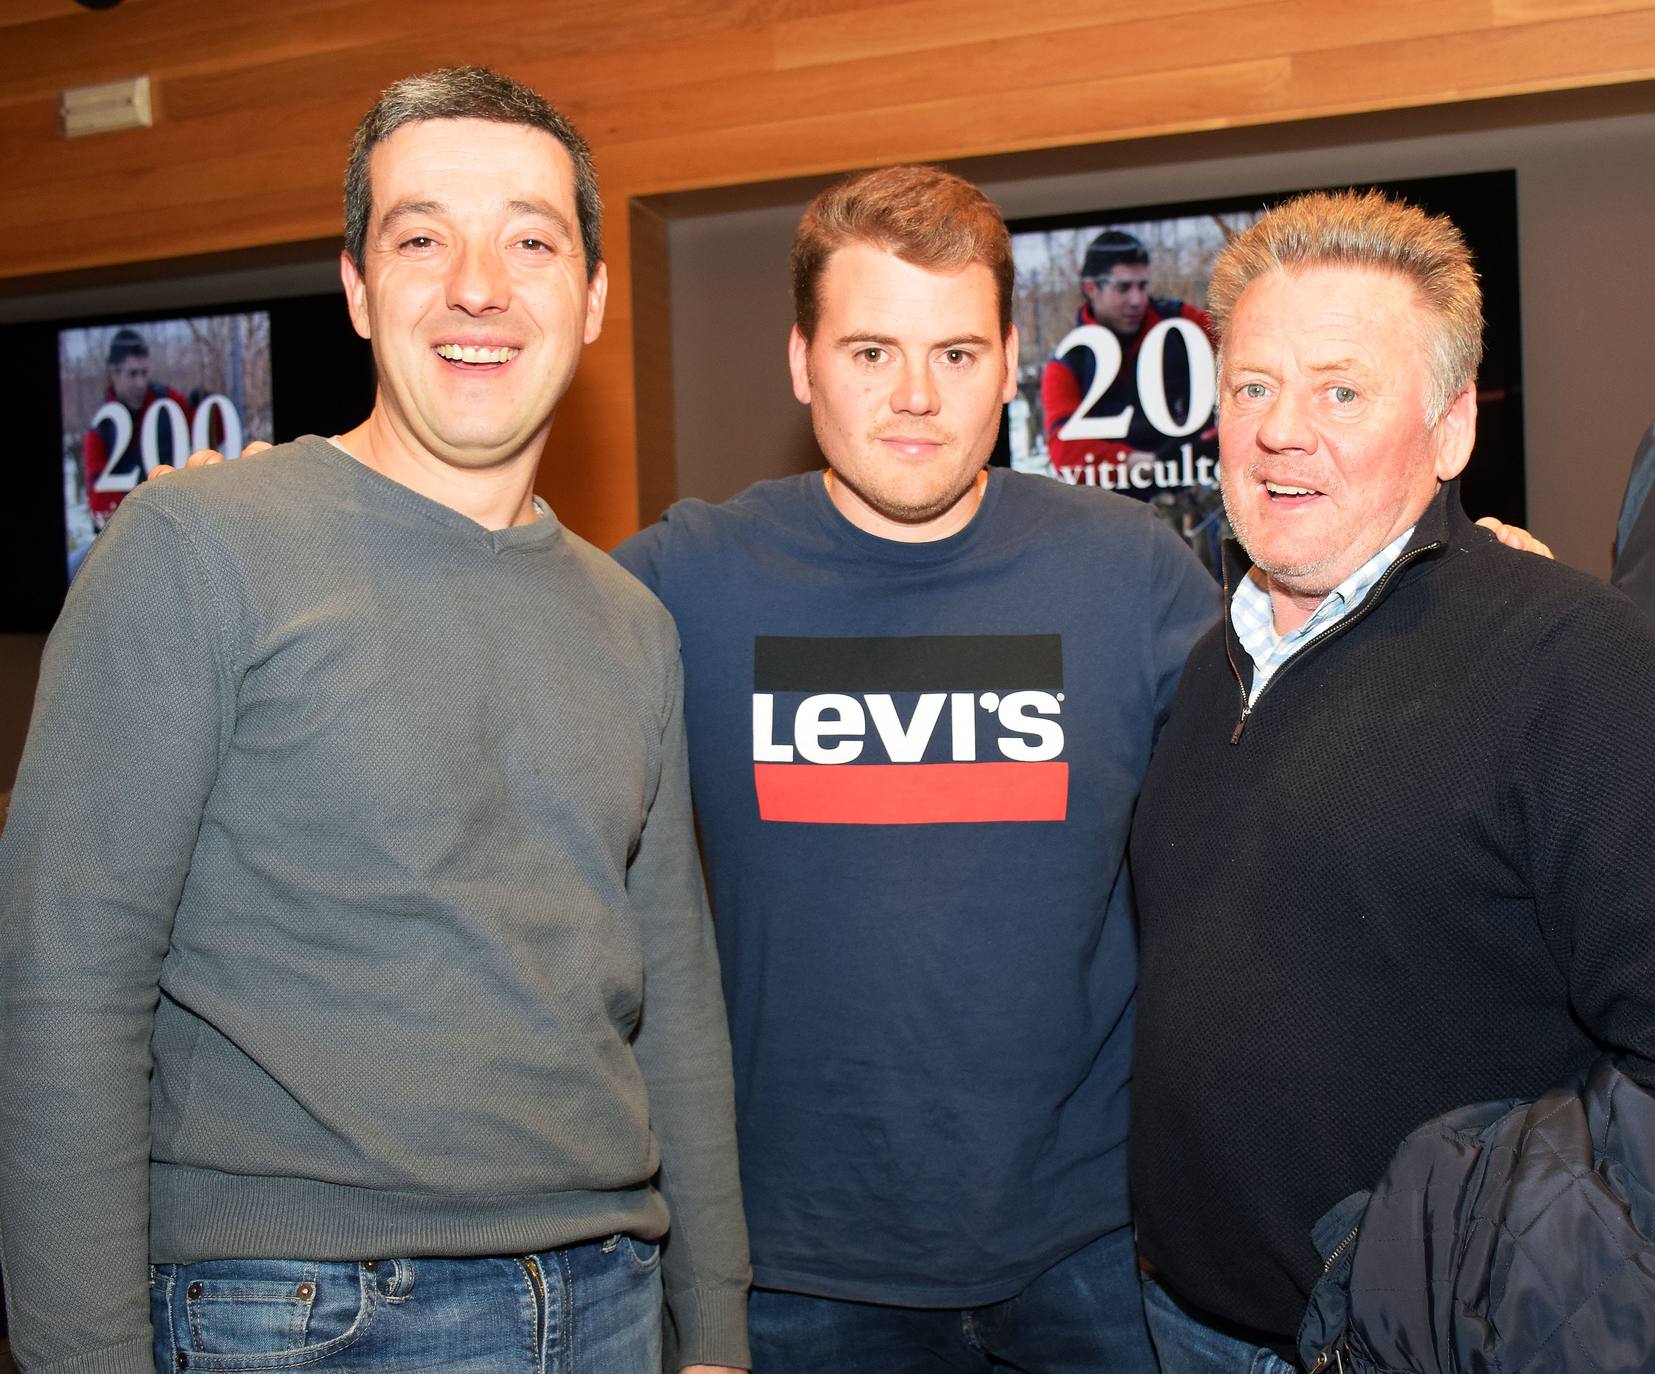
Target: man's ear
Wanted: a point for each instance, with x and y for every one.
(798, 362)
(356, 295)
(1012, 346)
(597, 292)
(1456, 434)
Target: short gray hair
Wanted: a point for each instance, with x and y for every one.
(1369, 230)
(466, 93)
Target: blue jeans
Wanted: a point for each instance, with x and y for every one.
(1185, 1345)
(1084, 1315)
(584, 1309)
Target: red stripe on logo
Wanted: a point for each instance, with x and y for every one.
(911, 793)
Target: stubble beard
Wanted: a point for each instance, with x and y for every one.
(1289, 576)
(890, 506)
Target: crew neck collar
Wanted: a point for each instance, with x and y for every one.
(847, 534)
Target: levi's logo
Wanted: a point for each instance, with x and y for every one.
(926, 729)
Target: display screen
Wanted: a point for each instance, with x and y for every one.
(153, 391)
(98, 400)
(1117, 383)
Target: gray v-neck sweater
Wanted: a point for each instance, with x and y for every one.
(369, 829)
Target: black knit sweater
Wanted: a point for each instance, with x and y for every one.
(1420, 876)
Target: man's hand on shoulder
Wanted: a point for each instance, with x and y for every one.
(206, 457)
(1515, 537)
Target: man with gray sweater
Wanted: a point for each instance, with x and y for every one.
(360, 1000)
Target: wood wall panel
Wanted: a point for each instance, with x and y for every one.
(1530, 11)
(257, 98)
(912, 26)
(958, 126)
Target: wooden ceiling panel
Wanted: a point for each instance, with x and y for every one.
(1534, 11)
(1023, 70)
(160, 38)
(1500, 60)
(962, 126)
(924, 25)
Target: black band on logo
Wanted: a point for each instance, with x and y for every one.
(918, 663)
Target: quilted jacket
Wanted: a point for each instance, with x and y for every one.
(1504, 1238)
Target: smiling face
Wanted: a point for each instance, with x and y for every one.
(1326, 454)
(1121, 299)
(905, 379)
(473, 291)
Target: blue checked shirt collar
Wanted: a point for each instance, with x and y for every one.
(1254, 620)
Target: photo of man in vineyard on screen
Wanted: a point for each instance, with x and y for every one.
(1125, 397)
(135, 396)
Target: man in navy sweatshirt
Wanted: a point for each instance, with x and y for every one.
(920, 697)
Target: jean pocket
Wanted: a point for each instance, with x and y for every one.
(230, 1315)
(646, 1254)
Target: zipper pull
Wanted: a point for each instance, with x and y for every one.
(1332, 1356)
(1241, 724)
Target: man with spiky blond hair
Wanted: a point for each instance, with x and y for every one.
(1421, 767)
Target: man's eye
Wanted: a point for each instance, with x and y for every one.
(1253, 391)
(537, 245)
(1344, 395)
(870, 354)
(419, 241)
(956, 357)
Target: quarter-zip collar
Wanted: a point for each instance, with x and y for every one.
(1442, 521)
(1257, 630)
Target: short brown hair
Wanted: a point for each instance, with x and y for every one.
(924, 215)
(1371, 230)
(466, 93)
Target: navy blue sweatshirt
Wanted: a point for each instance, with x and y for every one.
(914, 766)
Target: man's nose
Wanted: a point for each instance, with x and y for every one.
(479, 283)
(915, 392)
(1285, 424)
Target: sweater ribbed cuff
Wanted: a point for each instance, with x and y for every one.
(129, 1357)
(711, 1327)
